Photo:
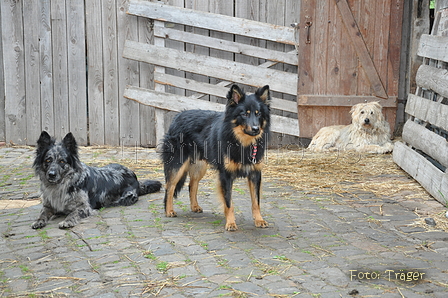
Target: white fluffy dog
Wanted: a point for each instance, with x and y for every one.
(369, 132)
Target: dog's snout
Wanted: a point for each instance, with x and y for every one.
(367, 121)
(52, 174)
(256, 129)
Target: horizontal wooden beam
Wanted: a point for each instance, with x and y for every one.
(433, 47)
(429, 142)
(215, 90)
(177, 103)
(428, 110)
(422, 170)
(280, 81)
(225, 45)
(211, 21)
(343, 100)
(435, 79)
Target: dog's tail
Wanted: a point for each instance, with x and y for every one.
(149, 186)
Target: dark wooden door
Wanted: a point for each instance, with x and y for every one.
(349, 53)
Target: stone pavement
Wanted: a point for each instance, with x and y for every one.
(317, 245)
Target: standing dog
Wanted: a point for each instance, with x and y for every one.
(233, 142)
(369, 132)
(71, 188)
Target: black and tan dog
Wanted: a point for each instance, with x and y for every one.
(71, 188)
(232, 142)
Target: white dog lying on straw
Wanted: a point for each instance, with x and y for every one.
(369, 132)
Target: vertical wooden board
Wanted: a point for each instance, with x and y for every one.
(390, 114)
(321, 47)
(382, 28)
(13, 60)
(59, 43)
(365, 16)
(31, 31)
(111, 73)
(396, 20)
(147, 113)
(77, 70)
(128, 75)
(95, 75)
(306, 67)
(201, 5)
(2, 88)
(247, 9)
(223, 8)
(318, 121)
(349, 62)
(344, 117)
(46, 68)
(334, 55)
(178, 46)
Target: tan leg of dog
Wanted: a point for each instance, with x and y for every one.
(254, 182)
(197, 171)
(171, 188)
(224, 194)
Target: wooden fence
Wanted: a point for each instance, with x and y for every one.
(62, 66)
(424, 150)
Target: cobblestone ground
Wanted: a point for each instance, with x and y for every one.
(316, 246)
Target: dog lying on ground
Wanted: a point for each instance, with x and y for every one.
(71, 188)
(369, 132)
(232, 142)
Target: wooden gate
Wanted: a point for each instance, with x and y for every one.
(246, 52)
(349, 53)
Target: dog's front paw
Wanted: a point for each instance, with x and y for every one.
(39, 224)
(261, 223)
(196, 209)
(171, 213)
(231, 226)
(66, 224)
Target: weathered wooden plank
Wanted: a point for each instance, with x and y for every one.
(433, 47)
(211, 21)
(46, 68)
(429, 142)
(60, 68)
(95, 74)
(147, 113)
(2, 89)
(225, 45)
(210, 66)
(361, 49)
(13, 59)
(77, 70)
(216, 90)
(173, 102)
(128, 72)
(422, 170)
(435, 79)
(428, 110)
(381, 43)
(342, 100)
(31, 12)
(110, 73)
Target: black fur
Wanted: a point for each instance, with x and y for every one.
(69, 187)
(226, 141)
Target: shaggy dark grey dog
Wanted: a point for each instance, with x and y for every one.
(71, 188)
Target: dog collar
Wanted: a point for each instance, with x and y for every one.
(254, 153)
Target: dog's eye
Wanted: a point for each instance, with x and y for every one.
(371, 113)
(362, 112)
(48, 160)
(62, 162)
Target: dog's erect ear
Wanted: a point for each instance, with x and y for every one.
(264, 94)
(69, 143)
(45, 140)
(234, 96)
